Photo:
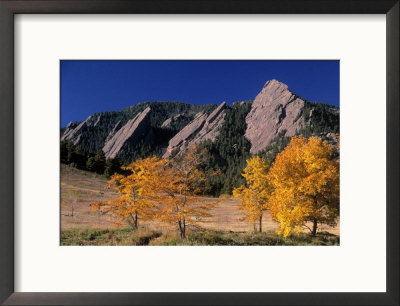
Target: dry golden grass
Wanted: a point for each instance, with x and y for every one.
(92, 187)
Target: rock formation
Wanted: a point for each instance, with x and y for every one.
(203, 127)
(138, 131)
(73, 131)
(133, 130)
(116, 127)
(167, 123)
(275, 111)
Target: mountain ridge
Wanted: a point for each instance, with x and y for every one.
(172, 127)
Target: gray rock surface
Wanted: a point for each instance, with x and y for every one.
(116, 127)
(133, 130)
(167, 123)
(203, 127)
(275, 110)
(74, 130)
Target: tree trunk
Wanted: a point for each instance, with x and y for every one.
(260, 223)
(314, 230)
(182, 229)
(136, 221)
(134, 217)
(72, 210)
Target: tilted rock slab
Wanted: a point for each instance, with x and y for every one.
(113, 131)
(274, 110)
(133, 130)
(203, 127)
(69, 130)
(167, 123)
(73, 131)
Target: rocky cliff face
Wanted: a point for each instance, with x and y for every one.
(167, 123)
(275, 111)
(133, 130)
(69, 130)
(203, 127)
(172, 127)
(99, 129)
(74, 130)
(114, 130)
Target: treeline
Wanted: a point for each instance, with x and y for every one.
(161, 111)
(324, 119)
(75, 156)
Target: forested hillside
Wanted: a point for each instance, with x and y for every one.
(231, 134)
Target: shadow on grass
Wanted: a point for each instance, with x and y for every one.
(122, 236)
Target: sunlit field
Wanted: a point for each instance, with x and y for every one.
(226, 226)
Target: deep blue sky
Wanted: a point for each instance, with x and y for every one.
(94, 86)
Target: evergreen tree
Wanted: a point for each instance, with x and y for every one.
(63, 152)
(91, 164)
(100, 162)
(78, 157)
(113, 165)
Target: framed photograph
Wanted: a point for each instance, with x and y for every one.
(208, 153)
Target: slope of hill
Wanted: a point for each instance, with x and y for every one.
(94, 133)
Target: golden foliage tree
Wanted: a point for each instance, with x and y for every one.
(136, 192)
(178, 185)
(255, 193)
(160, 189)
(305, 178)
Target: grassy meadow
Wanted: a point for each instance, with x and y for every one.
(226, 226)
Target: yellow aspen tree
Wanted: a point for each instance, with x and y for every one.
(255, 193)
(305, 178)
(178, 188)
(136, 193)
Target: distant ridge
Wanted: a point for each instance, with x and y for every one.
(168, 128)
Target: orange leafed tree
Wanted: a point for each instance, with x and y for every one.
(136, 193)
(178, 185)
(305, 178)
(255, 193)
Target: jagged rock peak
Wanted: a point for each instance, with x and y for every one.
(72, 125)
(275, 84)
(203, 127)
(274, 111)
(133, 130)
(274, 92)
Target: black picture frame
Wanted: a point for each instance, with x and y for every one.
(8, 8)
